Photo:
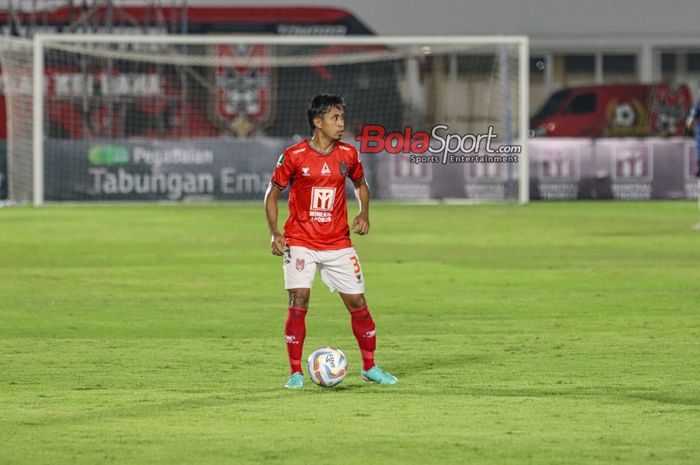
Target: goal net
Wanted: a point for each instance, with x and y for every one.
(177, 118)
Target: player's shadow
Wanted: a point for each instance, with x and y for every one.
(451, 363)
(341, 388)
(353, 387)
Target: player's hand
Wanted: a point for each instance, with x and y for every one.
(360, 224)
(277, 244)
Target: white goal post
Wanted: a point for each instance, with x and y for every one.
(469, 82)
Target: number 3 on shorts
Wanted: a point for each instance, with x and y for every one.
(355, 264)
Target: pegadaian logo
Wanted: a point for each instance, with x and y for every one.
(108, 155)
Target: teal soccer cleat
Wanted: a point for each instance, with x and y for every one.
(295, 381)
(379, 376)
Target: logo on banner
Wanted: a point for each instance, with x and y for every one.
(403, 170)
(407, 180)
(668, 110)
(559, 171)
(487, 172)
(486, 180)
(108, 155)
(242, 101)
(632, 172)
(625, 118)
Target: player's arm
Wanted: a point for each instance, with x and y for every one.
(692, 118)
(690, 122)
(272, 196)
(361, 223)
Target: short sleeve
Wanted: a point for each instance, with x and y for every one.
(356, 172)
(283, 172)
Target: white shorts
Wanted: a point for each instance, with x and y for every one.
(340, 269)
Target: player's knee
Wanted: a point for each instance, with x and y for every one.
(355, 302)
(299, 298)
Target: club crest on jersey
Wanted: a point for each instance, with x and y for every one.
(326, 171)
(242, 99)
(305, 171)
(300, 264)
(343, 167)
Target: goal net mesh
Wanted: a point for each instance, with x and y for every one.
(147, 120)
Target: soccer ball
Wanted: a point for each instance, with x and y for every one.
(327, 366)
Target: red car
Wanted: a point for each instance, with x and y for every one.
(613, 111)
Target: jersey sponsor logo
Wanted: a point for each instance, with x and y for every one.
(299, 150)
(343, 167)
(280, 160)
(305, 171)
(343, 147)
(322, 199)
(300, 264)
(325, 171)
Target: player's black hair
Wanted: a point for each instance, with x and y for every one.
(322, 104)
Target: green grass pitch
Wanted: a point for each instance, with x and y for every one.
(556, 333)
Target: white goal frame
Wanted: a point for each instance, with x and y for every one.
(41, 39)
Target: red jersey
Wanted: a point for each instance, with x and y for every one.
(318, 214)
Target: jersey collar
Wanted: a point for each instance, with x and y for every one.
(308, 142)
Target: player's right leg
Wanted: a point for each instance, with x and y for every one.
(295, 333)
(364, 329)
(299, 271)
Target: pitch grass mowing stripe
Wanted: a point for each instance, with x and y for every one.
(558, 333)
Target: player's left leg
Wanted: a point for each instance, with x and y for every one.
(341, 271)
(363, 327)
(365, 332)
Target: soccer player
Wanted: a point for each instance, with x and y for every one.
(692, 124)
(316, 234)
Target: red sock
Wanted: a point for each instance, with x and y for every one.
(364, 330)
(294, 334)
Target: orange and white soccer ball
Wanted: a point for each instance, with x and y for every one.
(327, 366)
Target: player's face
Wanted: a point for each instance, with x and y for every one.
(333, 123)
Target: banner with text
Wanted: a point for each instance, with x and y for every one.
(621, 169)
(240, 169)
(128, 170)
